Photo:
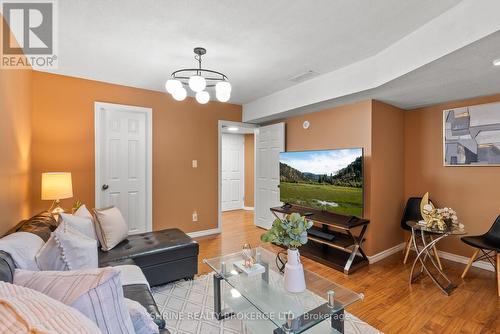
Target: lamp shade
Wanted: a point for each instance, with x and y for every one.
(56, 186)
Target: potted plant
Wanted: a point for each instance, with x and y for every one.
(291, 232)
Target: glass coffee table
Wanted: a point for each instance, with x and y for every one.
(262, 303)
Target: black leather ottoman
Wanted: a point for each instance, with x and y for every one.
(164, 256)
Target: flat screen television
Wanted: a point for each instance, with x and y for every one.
(330, 180)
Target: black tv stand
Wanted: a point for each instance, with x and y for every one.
(336, 240)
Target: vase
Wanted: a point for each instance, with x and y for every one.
(294, 272)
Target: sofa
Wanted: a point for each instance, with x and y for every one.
(163, 256)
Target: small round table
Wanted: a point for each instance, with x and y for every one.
(430, 237)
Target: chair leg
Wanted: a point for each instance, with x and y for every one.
(471, 260)
(436, 256)
(407, 248)
(498, 273)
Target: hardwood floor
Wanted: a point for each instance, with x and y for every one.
(390, 304)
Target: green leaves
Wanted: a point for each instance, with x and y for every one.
(290, 231)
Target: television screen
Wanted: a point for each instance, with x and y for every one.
(330, 180)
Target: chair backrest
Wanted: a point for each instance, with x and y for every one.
(412, 211)
(493, 235)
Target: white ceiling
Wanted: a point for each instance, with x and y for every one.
(259, 44)
(465, 73)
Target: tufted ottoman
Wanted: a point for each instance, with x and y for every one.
(163, 256)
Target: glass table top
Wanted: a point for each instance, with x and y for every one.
(266, 293)
(418, 225)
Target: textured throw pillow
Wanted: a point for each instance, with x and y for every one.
(97, 293)
(110, 226)
(23, 310)
(22, 247)
(68, 249)
(142, 321)
(84, 225)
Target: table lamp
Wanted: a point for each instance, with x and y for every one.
(56, 186)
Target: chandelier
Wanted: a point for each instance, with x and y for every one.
(198, 80)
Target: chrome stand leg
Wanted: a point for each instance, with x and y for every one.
(422, 256)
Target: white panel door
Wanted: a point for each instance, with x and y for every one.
(123, 163)
(270, 141)
(233, 149)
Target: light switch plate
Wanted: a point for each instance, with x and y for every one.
(195, 163)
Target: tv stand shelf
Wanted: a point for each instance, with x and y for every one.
(339, 243)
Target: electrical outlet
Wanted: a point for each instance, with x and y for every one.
(195, 216)
(195, 163)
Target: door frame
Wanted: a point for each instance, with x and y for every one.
(219, 168)
(99, 108)
(242, 181)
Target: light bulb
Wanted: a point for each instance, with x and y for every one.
(202, 97)
(171, 85)
(197, 83)
(179, 94)
(223, 91)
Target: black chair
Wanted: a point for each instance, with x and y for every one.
(412, 213)
(488, 244)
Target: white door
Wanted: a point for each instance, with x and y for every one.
(232, 149)
(270, 141)
(123, 163)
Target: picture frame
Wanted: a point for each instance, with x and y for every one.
(471, 136)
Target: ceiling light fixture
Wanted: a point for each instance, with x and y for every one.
(496, 62)
(198, 80)
(232, 128)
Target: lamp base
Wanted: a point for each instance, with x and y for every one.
(56, 209)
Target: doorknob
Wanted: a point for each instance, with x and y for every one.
(105, 186)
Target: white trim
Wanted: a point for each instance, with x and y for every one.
(442, 254)
(462, 259)
(248, 208)
(388, 252)
(219, 165)
(98, 108)
(203, 233)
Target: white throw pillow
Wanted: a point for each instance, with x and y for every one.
(68, 249)
(23, 310)
(141, 319)
(97, 293)
(22, 247)
(84, 225)
(50, 256)
(110, 226)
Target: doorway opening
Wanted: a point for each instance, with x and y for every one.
(249, 171)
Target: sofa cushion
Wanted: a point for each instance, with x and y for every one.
(23, 310)
(23, 247)
(132, 274)
(97, 293)
(152, 248)
(41, 224)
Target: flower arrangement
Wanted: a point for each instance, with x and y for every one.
(441, 219)
(291, 231)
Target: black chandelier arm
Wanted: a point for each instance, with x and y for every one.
(197, 70)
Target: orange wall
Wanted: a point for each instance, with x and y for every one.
(341, 127)
(249, 170)
(473, 192)
(387, 177)
(15, 137)
(63, 140)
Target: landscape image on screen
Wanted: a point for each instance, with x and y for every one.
(329, 180)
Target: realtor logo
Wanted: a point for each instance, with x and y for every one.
(28, 34)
